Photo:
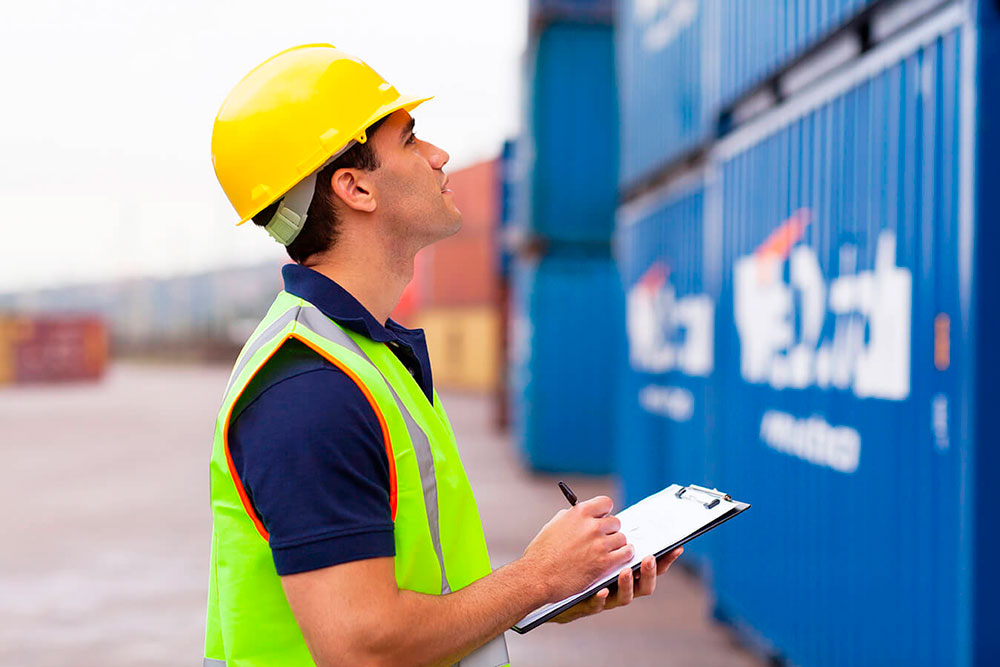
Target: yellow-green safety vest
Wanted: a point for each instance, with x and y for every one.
(440, 546)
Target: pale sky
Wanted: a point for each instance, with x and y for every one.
(105, 127)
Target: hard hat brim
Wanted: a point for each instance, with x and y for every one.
(403, 102)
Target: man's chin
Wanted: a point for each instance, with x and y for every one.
(456, 225)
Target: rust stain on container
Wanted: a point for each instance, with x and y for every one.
(942, 342)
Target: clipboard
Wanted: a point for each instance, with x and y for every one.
(656, 525)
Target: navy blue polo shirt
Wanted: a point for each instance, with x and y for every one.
(308, 447)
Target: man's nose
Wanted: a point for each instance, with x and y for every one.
(438, 157)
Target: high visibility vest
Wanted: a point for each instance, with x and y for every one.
(439, 539)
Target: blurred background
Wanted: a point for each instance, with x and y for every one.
(689, 228)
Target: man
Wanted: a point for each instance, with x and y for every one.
(345, 530)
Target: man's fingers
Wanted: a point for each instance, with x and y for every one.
(664, 563)
(597, 603)
(625, 588)
(615, 541)
(597, 506)
(622, 554)
(647, 577)
(610, 524)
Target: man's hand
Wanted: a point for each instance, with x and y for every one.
(576, 547)
(649, 570)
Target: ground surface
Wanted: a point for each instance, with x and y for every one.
(105, 556)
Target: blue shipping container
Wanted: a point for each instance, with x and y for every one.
(681, 62)
(565, 338)
(668, 418)
(758, 38)
(667, 103)
(845, 356)
(572, 147)
(847, 239)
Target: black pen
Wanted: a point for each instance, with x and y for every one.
(568, 492)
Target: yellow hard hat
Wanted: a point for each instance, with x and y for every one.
(286, 119)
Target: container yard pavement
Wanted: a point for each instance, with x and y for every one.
(105, 490)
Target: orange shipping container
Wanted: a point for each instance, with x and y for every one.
(464, 346)
(8, 337)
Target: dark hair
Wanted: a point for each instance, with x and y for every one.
(322, 222)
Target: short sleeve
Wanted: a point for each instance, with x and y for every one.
(310, 453)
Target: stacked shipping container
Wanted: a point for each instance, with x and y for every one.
(689, 64)
(564, 345)
(802, 314)
(565, 328)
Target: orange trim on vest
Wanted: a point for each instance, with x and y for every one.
(248, 508)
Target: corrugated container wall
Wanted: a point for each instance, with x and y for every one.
(842, 353)
(983, 575)
(757, 38)
(572, 147)
(682, 62)
(565, 338)
(842, 271)
(667, 105)
(668, 418)
(848, 250)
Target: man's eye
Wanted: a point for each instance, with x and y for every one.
(412, 139)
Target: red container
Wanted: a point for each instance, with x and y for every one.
(477, 195)
(60, 347)
(460, 271)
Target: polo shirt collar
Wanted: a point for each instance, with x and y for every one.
(337, 303)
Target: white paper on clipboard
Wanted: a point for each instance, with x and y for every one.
(656, 523)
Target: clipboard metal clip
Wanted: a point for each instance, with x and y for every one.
(707, 497)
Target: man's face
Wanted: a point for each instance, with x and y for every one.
(412, 196)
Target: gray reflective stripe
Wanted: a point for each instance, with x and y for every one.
(209, 662)
(260, 341)
(493, 654)
(325, 327)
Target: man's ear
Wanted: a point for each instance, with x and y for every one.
(354, 188)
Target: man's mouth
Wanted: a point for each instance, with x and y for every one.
(444, 187)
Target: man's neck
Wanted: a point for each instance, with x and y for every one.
(375, 279)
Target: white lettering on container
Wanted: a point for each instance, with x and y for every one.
(676, 403)
(812, 439)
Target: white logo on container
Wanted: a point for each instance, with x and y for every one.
(867, 350)
(666, 332)
(663, 20)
